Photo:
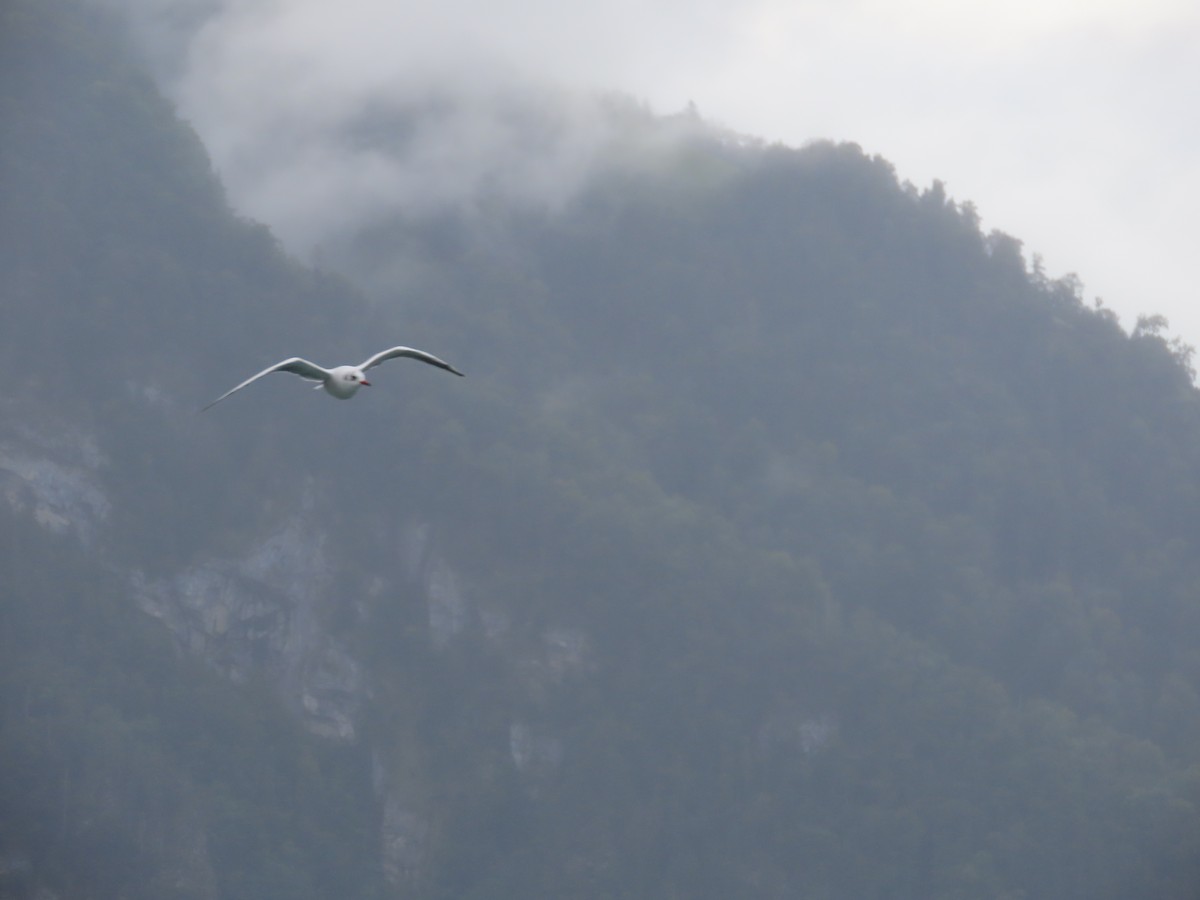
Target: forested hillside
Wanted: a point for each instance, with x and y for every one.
(789, 536)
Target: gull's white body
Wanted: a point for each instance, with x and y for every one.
(342, 382)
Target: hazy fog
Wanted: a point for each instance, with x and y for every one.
(1064, 122)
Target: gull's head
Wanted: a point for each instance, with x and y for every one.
(344, 381)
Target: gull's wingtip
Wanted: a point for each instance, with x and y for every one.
(207, 406)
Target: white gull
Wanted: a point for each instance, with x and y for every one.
(342, 382)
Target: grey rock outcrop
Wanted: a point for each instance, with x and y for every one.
(260, 613)
(55, 482)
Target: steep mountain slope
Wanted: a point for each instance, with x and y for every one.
(787, 538)
(848, 371)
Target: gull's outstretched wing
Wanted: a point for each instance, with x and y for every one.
(295, 365)
(411, 354)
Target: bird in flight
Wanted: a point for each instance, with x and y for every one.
(342, 382)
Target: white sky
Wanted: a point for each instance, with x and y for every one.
(1070, 124)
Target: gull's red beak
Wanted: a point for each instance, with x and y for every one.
(365, 383)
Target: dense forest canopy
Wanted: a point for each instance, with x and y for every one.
(790, 536)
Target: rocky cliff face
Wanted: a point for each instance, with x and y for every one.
(264, 613)
(260, 613)
(55, 480)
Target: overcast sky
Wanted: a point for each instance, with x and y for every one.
(1070, 124)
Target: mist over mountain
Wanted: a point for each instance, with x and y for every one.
(789, 536)
(421, 111)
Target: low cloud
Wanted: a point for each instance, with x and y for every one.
(322, 120)
(1063, 121)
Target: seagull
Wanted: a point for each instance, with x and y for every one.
(341, 381)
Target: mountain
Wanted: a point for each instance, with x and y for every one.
(788, 537)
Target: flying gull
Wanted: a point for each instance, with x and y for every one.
(341, 381)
